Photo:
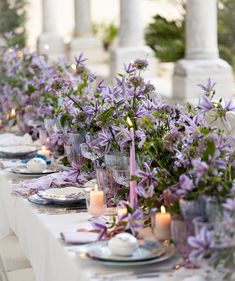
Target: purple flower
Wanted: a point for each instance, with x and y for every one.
(200, 168)
(105, 139)
(134, 221)
(74, 174)
(186, 185)
(201, 245)
(140, 64)
(100, 224)
(229, 106)
(80, 60)
(148, 178)
(205, 104)
(209, 87)
(230, 204)
(129, 68)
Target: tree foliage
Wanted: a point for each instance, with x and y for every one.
(12, 20)
(167, 38)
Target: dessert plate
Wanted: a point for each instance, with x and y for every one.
(148, 253)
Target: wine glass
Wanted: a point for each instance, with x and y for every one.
(91, 153)
(121, 176)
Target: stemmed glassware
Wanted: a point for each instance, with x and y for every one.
(121, 176)
(92, 153)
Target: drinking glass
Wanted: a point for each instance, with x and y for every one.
(121, 177)
(91, 153)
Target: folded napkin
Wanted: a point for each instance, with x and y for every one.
(59, 180)
(79, 237)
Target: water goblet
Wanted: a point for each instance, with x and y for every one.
(121, 176)
(91, 153)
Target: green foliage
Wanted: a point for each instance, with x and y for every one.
(12, 19)
(167, 38)
(107, 33)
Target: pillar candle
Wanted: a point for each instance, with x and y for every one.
(97, 202)
(44, 151)
(162, 225)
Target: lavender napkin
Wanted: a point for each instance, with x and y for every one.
(79, 237)
(71, 177)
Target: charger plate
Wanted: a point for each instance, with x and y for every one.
(144, 255)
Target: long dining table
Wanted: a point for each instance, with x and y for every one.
(53, 260)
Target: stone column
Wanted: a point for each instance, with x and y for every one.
(131, 38)
(84, 40)
(50, 42)
(201, 55)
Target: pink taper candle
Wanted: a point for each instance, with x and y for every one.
(133, 184)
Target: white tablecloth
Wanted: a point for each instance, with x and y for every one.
(39, 236)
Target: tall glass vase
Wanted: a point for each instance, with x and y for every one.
(73, 148)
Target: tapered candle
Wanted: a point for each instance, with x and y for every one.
(162, 225)
(133, 184)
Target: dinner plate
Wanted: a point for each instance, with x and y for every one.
(38, 200)
(17, 151)
(25, 171)
(64, 195)
(148, 254)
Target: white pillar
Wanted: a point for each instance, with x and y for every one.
(201, 55)
(84, 40)
(50, 42)
(131, 38)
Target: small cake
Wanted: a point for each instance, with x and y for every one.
(36, 165)
(123, 244)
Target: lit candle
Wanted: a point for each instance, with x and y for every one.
(162, 225)
(7, 116)
(0, 123)
(46, 47)
(73, 66)
(13, 113)
(44, 151)
(133, 184)
(97, 202)
(121, 211)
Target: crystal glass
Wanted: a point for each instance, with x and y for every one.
(73, 148)
(116, 159)
(191, 209)
(121, 177)
(42, 136)
(106, 183)
(180, 231)
(49, 125)
(91, 153)
(72, 155)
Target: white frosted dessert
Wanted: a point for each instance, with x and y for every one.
(123, 244)
(36, 165)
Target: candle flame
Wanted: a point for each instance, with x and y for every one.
(13, 112)
(96, 187)
(43, 147)
(163, 210)
(46, 47)
(73, 66)
(129, 122)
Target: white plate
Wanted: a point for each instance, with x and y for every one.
(63, 195)
(25, 171)
(100, 252)
(17, 150)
